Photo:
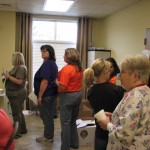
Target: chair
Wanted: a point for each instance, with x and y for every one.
(12, 137)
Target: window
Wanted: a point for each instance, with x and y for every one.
(43, 30)
(59, 34)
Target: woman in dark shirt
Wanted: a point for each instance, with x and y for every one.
(46, 91)
(102, 95)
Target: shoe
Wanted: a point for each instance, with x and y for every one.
(74, 147)
(42, 138)
(18, 136)
(23, 132)
(50, 140)
(54, 116)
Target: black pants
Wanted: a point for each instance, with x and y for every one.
(100, 144)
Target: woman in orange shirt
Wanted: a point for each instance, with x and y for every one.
(114, 70)
(69, 87)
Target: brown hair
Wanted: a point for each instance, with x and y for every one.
(73, 57)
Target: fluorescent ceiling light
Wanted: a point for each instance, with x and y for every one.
(58, 5)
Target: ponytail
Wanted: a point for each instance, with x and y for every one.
(88, 77)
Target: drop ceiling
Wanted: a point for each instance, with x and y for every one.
(87, 8)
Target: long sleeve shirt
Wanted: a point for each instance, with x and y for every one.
(130, 128)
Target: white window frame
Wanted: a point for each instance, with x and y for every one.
(59, 47)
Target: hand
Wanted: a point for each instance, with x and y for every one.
(57, 82)
(103, 123)
(108, 114)
(3, 76)
(39, 101)
(6, 74)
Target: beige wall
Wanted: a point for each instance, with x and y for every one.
(7, 40)
(124, 31)
(7, 46)
(97, 32)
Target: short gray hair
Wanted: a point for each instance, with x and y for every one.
(139, 64)
(18, 59)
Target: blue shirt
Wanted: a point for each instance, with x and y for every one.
(48, 71)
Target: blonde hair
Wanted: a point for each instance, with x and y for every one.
(95, 71)
(18, 59)
(139, 64)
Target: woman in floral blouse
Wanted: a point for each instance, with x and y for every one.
(129, 124)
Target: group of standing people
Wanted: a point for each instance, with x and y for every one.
(67, 83)
(127, 125)
(127, 109)
(48, 85)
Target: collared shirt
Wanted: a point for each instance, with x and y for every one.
(113, 80)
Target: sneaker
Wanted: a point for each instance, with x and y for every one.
(50, 140)
(42, 138)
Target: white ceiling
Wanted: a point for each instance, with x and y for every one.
(88, 8)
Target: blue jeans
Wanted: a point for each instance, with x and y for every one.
(69, 108)
(46, 114)
(54, 108)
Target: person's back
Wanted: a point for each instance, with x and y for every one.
(129, 124)
(104, 96)
(72, 78)
(70, 95)
(6, 129)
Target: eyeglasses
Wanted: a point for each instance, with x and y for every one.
(118, 76)
(121, 72)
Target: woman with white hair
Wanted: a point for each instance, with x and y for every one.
(129, 124)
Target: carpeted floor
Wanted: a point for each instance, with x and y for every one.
(35, 129)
